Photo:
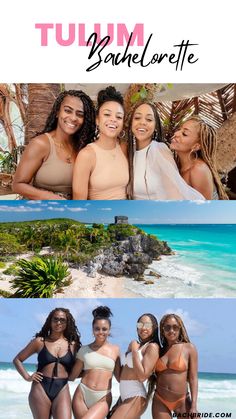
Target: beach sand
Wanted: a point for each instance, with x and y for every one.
(83, 286)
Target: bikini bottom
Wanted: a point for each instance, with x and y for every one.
(92, 396)
(170, 405)
(53, 386)
(132, 388)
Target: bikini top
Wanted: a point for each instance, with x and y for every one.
(45, 357)
(127, 358)
(93, 360)
(178, 365)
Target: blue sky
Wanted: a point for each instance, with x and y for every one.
(210, 324)
(139, 212)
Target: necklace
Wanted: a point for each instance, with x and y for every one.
(62, 146)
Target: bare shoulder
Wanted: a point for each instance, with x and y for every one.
(124, 147)
(200, 168)
(86, 153)
(190, 347)
(41, 142)
(115, 348)
(153, 347)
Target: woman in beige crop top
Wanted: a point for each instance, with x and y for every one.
(46, 166)
(101, 168)
(175, 369)
(137, 365)
(98, 361)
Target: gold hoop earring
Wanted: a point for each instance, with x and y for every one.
(122, 134)
(195, 155)
(97, 133)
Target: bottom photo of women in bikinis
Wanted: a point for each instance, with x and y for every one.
(117, 358)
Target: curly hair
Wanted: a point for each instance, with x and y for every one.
(109, 94)
(101, 313)
(183, 335)
(85, 134)
(157, 136)
(71, 332)
(208, 141)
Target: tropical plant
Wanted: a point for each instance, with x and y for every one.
(40, 277)
(9, 245)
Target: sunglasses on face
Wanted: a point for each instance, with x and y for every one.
(168, 328)
(102, 329)
(61, 320)
(146, 325)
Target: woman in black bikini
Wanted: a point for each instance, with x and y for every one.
(56, 345)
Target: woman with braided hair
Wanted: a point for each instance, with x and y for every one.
(175, 370)
(195, 146)
(46, 167)
(56, 345)
(153, 171)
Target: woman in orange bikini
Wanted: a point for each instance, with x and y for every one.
(175, 369)
(46, 166)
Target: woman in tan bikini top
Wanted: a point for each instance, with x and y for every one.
(46, 166)
(101, 168)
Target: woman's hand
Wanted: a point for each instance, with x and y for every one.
(36, 376)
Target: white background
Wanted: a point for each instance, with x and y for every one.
(210, 24)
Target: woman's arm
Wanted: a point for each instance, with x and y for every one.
(35, 153)
(145, 367)
(193, 377)
(32, 348)
(76, 370)
(84, 165)
(117, 369)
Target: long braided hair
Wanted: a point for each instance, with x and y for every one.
(157, 136)
(71, 332)
(208, 141)
(85, 134)
(183, 335)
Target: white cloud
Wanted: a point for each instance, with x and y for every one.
(34, 202)
(105, 209)
(20, 208)
(61, 209)
(199, 202)
(76, 209)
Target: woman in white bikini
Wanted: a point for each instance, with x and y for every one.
(137, 365)
(97, 362)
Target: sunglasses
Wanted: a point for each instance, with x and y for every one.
(61, 320)
(146, 325)
(168, 328)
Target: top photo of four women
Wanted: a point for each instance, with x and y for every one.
(99, 150)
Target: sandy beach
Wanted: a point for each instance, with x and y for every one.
(83, 286)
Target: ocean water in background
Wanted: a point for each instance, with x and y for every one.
(217, 393)
(204, 263)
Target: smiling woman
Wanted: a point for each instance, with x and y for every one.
(46, 166)
(98, 360)
(101, 169)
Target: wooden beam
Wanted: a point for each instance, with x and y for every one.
(222, 105)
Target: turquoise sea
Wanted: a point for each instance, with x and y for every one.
(204, 263)
(217, 393)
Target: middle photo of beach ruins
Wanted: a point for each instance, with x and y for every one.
(118, 249)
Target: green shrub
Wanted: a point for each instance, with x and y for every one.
(40, 277)
(2, 265)
(5, 294)
(11, 270)
(9, 244)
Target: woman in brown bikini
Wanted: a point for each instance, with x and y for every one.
(175, 369)
(46, 166)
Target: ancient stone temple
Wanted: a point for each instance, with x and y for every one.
(121, 219)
